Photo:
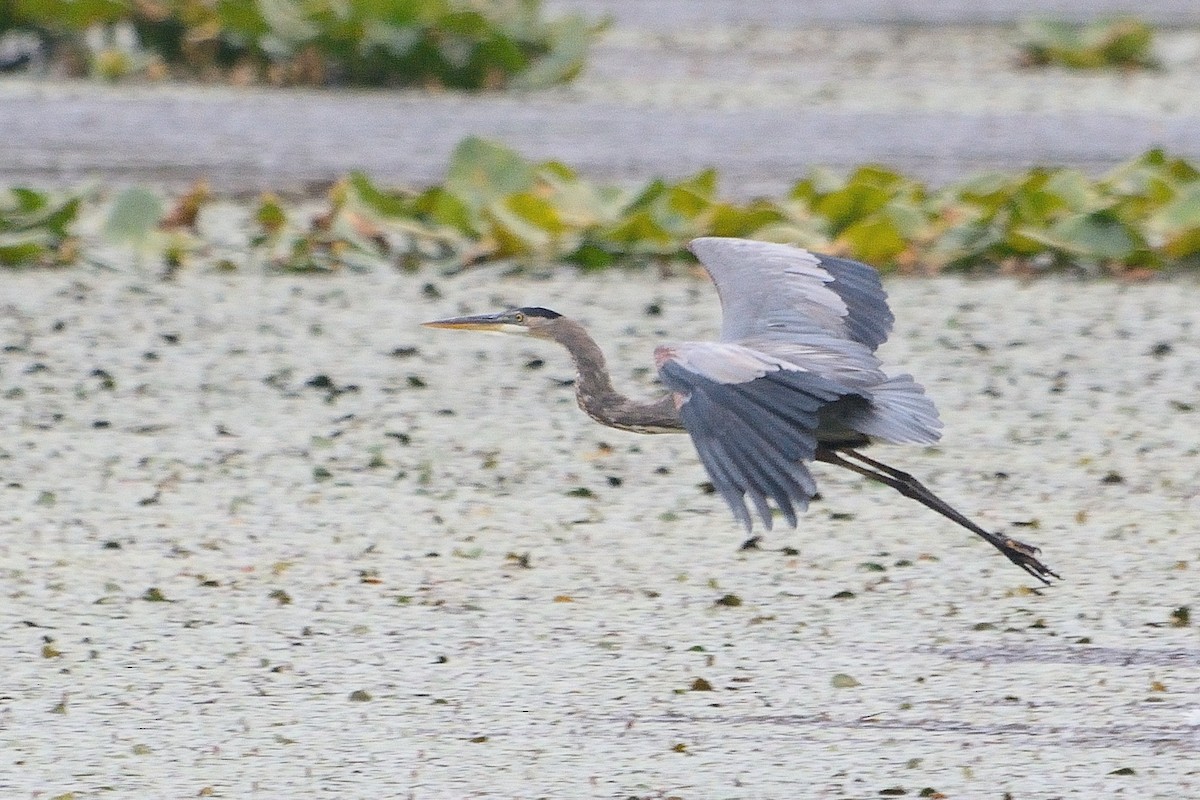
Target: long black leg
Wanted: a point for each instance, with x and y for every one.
(1021, 554)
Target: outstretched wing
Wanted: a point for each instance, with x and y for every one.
(753, 419)
(778, 290)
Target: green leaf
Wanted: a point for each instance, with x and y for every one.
(241, 19)
(727, 219)
(80, 14)
(398, 41)
(592, 257)
(1126, 42)
(843, 681)
(1097, 236)
(134, 216)
(1030, 203)
(969, 240)
(909, 218)
(24, 209)
(1185, 244)
(877, 175)
(1072, 188)
(986, 189)
(639, 232)
(288, 22)
(447, 209)
(650, 194)
(59, 219)
(692, 197)
(1135, 177)
(850, 204)
(536, 211)
(702, 186)
(1182, 213)
(580, 203)
(22, 249)
(379, 202)
(525, 223)
(26, 200)
(820, 182)
(570, 38)
(876, 239)
(270, 215)
(1178, 223)
(482, 171)
(803, 233)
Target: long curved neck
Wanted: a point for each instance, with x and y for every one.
(595, 393)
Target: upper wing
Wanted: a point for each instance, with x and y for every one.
(771, 289)
(753, 418)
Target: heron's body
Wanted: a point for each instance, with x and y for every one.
(793, 379)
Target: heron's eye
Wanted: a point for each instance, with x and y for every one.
(519, 318)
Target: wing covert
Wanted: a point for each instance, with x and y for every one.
(753, 430)
(770, 289)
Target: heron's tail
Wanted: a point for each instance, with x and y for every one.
(899, 412)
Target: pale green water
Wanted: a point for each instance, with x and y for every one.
(967, 683)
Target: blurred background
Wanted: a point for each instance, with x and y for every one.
(910, 134)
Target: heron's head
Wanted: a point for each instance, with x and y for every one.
(530, 321)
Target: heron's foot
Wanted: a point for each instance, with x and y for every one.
(1024, 556)
(751, 543)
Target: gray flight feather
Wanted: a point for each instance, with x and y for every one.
(754, 436)
(769, 289)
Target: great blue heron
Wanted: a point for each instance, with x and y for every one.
(794, 378)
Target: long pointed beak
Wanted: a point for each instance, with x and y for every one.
(475, 322)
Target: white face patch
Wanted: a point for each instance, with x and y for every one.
(506, 329)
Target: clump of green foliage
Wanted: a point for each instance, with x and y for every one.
(1126, 42)
(495, 204)
(35, 227)
(463, 44)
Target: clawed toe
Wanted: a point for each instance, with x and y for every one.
(1025, 556)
